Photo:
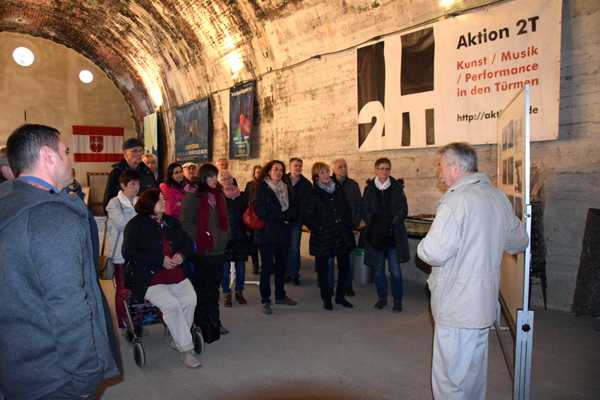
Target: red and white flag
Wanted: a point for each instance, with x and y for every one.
(97, 143)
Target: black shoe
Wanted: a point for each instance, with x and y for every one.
(380, 305)
(344, 303)
(286, 301)
(223, 330)
(297, 281)
(288, 279)
(267, 309)
(397, 307)
(327, 305)
(350, 292)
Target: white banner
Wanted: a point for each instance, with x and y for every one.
(449, 81)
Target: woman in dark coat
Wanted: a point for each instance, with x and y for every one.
(154, 247)
(275, 206)
(236, 251)
(204, 217)
(250, 196)
(385, 235)
(329, 219)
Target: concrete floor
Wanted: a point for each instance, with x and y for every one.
(305, 352)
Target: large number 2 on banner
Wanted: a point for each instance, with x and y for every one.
(373, 109)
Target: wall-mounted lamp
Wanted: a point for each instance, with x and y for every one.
(235, 62)
(447, 3)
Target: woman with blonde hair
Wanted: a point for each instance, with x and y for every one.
(329, 219)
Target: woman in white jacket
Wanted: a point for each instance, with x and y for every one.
(119, 211)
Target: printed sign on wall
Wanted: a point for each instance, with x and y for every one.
(193, 131)
(241, 119)
(449, 81)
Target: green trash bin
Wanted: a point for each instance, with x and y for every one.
(363, 274)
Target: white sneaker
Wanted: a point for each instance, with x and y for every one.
(189, 359)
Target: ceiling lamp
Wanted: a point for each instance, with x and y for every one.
(23, 56)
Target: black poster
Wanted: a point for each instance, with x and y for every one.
(193, 131)
(418, 50)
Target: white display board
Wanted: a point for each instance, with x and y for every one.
(514, 164)
(449, 81)
(513, 179)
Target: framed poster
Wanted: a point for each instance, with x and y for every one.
(193, 131)
(242, 100)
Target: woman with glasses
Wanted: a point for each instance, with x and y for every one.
(385, 235)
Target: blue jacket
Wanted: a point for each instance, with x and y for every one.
(52, 318)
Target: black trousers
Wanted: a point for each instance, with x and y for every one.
(206, 275)
(274, 261)
(325, 272)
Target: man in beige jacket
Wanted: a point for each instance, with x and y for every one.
(474, 225)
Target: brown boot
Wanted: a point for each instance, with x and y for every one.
(239, 297)
(227, 300)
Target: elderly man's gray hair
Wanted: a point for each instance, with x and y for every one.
(463, 154)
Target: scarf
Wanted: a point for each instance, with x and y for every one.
(213, 198)
(231, 192)
(328, 187)
(281, 191)
(382, 186)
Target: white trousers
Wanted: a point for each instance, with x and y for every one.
(459, 364)
(177, 303)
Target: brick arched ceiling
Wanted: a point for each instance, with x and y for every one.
(172, 51)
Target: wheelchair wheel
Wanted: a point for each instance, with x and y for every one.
(198, 340)
(138, 354)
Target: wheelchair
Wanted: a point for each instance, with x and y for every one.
(140, 314)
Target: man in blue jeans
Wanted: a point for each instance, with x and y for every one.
(301, 188)
(354, 198)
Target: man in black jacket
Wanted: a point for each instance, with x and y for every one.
(301, 188)
(132, 159)
(354, 199)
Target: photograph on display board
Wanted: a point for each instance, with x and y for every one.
(518, 176)
(510, 135)
(193, 131)
(518, 129)
(509, 171)
(504, 171)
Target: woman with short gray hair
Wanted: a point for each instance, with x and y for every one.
(386, 239)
